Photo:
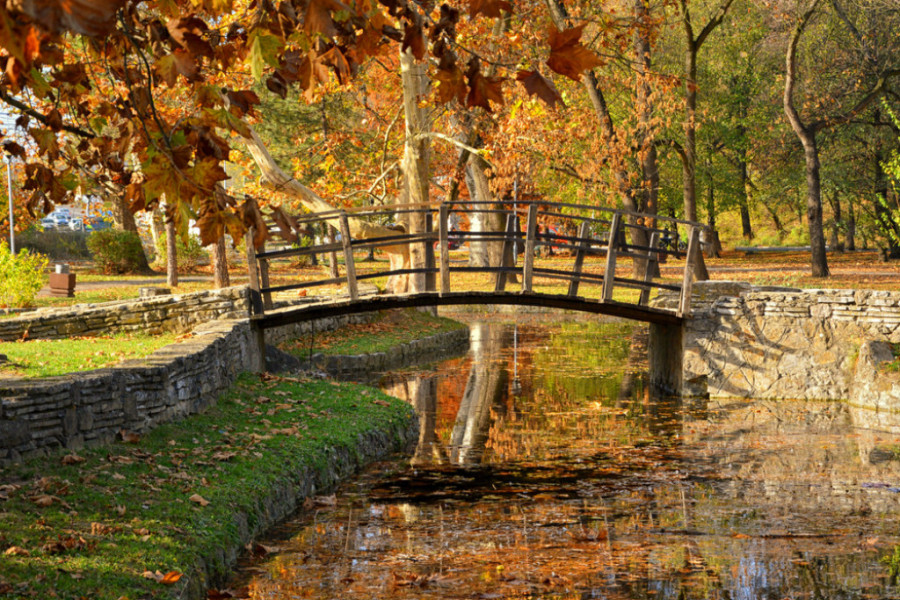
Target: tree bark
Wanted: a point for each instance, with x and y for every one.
(482, 253)
(218, 255)
(171, 252)
(416, 155)
(744, 200)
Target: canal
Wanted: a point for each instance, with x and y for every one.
(545, 469)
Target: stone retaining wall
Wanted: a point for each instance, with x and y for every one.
(367, 367)
(178, 313)
(70, 411)
(746, 341)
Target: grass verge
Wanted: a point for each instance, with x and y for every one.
(151, 516)
(47, 358)
(388, 330)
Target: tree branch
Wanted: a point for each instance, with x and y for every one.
(31, 112)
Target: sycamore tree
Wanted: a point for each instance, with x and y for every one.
(147, 100)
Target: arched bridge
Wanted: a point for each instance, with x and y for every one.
(534, 253)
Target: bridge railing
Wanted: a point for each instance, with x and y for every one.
(594, 238)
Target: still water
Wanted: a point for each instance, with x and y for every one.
(545, 469)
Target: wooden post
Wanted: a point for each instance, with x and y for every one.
(508, 259)
(256, 304)
(332, 256)
(264, 276)
(652, 262)
(429, 251)
(584, 233)
(684, 307)
(443, 231)
(609, 275)
(528, 259)
(349, 265)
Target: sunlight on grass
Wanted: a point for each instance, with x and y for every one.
(46, 358)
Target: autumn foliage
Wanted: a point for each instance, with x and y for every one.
(148, 99)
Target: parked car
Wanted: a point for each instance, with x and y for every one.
(60, 218)
(48, 223)
(76, 224)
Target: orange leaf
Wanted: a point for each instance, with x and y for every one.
(568, 56)
(199, 500)
(170, 577)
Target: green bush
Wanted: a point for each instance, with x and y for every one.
(57, 244)
(189, 255)
(116, 251)
(21, 277)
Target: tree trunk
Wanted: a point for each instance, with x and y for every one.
(837, 223)
(851, 228)
(157, 230)
(416, 155)
(218, 255)
(807, 137)
(171, 252)
(483, 253)
(744, 201)
(124, 220)
(713, 245)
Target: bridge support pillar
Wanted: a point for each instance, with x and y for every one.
(666, 354)
(257, 349)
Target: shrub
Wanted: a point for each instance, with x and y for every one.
(58, 245)
(21, 277)
(116, 251)
(189, 255)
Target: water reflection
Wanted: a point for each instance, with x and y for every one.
(546, 470)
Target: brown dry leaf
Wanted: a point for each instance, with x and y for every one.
(381, 402)
(44, 500)
(129, 437)
(325, 500)
(223, 456)
(120, 510)
(7, 489)
(72, 459)
(16, 551)
(197, 498)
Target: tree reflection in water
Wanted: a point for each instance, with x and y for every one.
(578, 484)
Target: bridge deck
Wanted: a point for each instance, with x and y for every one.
(345, 306)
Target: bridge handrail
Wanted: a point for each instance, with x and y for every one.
(587, 241)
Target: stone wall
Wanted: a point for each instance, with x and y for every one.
(70, 411)
(178, 313)
(366, 367)
(746, 341)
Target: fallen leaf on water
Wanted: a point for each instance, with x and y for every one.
(257, 549)
(199, 500)
(740, 536)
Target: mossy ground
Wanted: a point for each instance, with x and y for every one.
(98, 523)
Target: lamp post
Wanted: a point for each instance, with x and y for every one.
(12, 229)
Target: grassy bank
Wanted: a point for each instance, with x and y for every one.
(388, 330)
(47, 358)
(150, 516)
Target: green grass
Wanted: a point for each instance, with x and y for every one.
(46, 358)
(389, 330)
(92, 524)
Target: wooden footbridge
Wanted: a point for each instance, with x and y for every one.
(593, 254)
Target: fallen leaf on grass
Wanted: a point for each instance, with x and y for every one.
(16, 551)
(165, 578)
(6, 490)
(129, 437)
(223, 456)
(199, 500)
(45, 500)
(381, 403)
(72, 459)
